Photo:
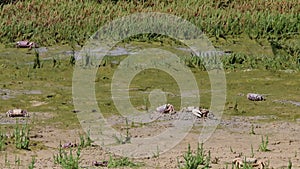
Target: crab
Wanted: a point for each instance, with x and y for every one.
(101, 163)
(69, 145)
(253, 162)
(255, 97)
(17, 113)
(166, 108)
(26, 44)
(200, 112)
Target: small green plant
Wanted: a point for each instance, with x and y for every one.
(200, 158)
(290, 164)
(121, 162)
(121, 140)
(6, 161)
(21, 136)
(36, 62)
(246, 164)
(128, 137)
(226, 166)
(146, 103)
(156, 154)
(72, 60)
(17, 161)
(252, 151)
(132, 124)
(235, 108)
(67, 161)
(54, 62)
(252, 130)
(264, 144)
(2, 141)
(31, 166)
(85, 141)
(267, 164)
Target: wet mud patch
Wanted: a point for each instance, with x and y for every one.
(155, 123)
(296, 103)
(8, 94)
(35, 103)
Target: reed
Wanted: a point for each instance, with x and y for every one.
(75, 21)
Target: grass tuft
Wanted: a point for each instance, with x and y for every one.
(67, 160)
(194, 160)
(264, 144)
(122, 162)
(21, 136)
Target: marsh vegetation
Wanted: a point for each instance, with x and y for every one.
(262, 41)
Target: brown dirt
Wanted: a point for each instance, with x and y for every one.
(230, 140)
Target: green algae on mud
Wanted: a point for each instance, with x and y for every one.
(55, 85)
(277, 85)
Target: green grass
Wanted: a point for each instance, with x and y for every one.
(290, 164)
(195, 160)
(266, 76)
(67, 160)
(21, 136)
(85, 140)
(58, 81)
(122, 162)
(75, 21)
(2, 140)
(31, 166)
(264, 144)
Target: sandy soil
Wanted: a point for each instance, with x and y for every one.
(230, 140)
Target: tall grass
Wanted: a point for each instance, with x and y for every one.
(2, 140)
(264, 144)
(197, 159)
(75, 21)
(122, 162)
(243, 61)
(67, 160)
(21, 136)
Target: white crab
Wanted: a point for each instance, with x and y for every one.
(253, 162)
(17, 113)
(200, 112)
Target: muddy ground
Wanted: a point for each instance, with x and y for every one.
(231, 139)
